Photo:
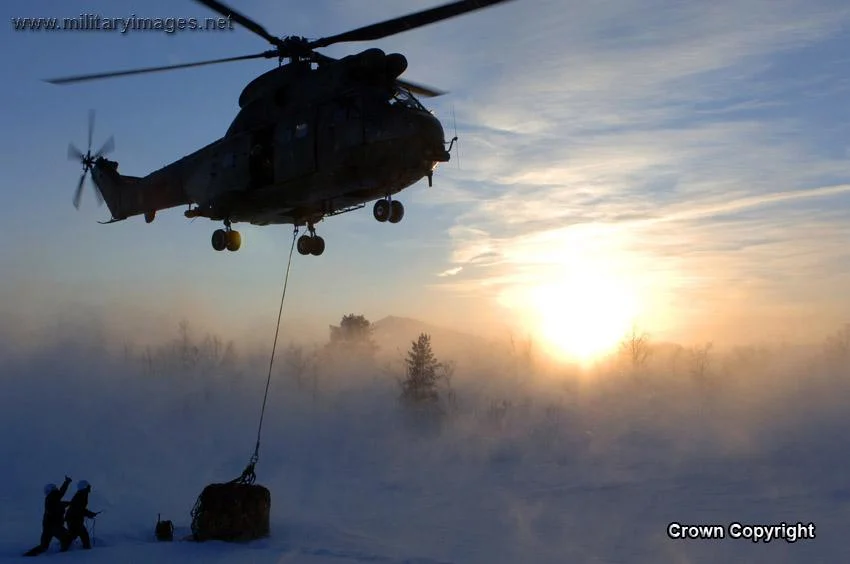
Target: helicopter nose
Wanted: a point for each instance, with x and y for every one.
(432, 136)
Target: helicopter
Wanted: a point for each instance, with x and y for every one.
(314, 137)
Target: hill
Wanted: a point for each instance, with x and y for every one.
(394, 335)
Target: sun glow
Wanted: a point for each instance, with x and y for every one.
(581, 316)
(578, 314)
(580, 289)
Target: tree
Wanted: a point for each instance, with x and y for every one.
(422, 374)
(188, 354)
(635, 347)
(701, 361)
(524, 356)
(837, 346)
(303, 367)
(186, 349)
(353, 336)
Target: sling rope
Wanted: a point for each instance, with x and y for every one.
(248, 476)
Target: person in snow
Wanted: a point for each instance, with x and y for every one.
(51, 523)
(77, 511)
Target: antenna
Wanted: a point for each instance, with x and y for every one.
(457, 142)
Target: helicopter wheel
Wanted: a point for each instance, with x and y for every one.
(317, 245)
(305, 244)
(234, 240)
(219, 239)
(382, 210)
(311, 245)
(396, 211)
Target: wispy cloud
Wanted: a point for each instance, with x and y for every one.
(450, 272)
(742, 204)
(672, 139)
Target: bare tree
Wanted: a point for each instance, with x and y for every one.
(635, 347)
(187, 355)
(447, 372)
(523, 350)
(303, 367)
(837, 346)
(186, 349)
(149, 364)
(497, 412)
(675, 359)
(701, 361)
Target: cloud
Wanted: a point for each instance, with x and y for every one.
(696, 149)
(671, 139)
(742, 204)
(451, 271)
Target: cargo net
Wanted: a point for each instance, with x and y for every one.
(232, 511)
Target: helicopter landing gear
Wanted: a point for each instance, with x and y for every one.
(396, 211)
(226, 238)
(388, 210)
(311, 244)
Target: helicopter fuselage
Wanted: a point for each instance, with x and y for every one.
(315, 137)
(289, 158)
(316, 163)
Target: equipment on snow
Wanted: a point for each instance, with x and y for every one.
(164, 529)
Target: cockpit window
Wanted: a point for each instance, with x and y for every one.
(406, 98)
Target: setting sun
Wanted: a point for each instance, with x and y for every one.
(579, 291)
(582, 315)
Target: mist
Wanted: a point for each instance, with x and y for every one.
(529, 461)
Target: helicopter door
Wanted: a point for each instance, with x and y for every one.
(261, 158)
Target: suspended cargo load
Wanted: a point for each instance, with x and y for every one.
(232, 512)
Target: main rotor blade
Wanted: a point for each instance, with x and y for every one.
(244, 21)
(74, 154)
(82, 78)
(107, 148)
(420, 89)
(405, 23)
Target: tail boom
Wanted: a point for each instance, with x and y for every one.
(128, 196)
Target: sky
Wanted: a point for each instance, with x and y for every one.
(682, 166)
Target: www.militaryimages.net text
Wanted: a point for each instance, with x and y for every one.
(95, 22)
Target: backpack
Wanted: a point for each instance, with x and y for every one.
(164, 530)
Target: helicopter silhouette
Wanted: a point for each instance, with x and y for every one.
(314, 137)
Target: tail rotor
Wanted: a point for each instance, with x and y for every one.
(88, 160)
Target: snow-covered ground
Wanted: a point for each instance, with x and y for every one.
(587, 470)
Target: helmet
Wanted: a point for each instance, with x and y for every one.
(50, 488)
(82, 484)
